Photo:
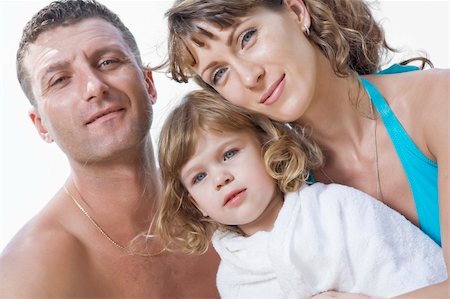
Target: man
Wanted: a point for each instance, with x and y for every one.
(81, 70)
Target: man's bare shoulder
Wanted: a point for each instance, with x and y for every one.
(44, 259)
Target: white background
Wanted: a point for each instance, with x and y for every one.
(31, 171)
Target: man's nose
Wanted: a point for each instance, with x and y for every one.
(94, 84)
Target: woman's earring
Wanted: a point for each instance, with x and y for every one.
(307, 32)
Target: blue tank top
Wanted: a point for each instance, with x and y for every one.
(422, 173)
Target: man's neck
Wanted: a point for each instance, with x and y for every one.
(120, 197)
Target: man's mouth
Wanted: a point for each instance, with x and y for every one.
(104, 113)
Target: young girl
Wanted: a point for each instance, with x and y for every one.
(239, 178)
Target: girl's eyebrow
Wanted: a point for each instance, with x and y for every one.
(187, 173)
(187, 169)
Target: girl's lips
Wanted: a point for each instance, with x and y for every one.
(274, 91)
(235, 198)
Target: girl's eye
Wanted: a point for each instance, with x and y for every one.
(247, 37)
(218, 74)
(199, 177)
(229, 154)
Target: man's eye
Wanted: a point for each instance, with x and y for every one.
(107, 62)
(58, 80)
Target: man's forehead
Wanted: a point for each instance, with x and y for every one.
(88, 27)
(59, 45)
(86, 35)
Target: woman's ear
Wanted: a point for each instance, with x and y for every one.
(298, 7)
(40, 125)
(197, 206)
(150, 85)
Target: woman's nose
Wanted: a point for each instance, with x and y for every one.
(250, 73)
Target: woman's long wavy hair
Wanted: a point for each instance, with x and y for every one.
(288, 155)
(344, 30)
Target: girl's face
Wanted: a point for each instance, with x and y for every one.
(227, 180)
(265, 63)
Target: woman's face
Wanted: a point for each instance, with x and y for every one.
(265, 63)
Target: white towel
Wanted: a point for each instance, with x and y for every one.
(329, 237)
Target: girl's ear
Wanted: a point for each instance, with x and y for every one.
(197, 206)
(298, 7)
(40, 125)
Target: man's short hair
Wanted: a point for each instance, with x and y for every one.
(65, 13)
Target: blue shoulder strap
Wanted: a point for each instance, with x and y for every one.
(393, 69)
(398, 68)
(421, 172)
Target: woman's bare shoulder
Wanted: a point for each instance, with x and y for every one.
(417, 89)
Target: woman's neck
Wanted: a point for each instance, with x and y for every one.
(340, 113)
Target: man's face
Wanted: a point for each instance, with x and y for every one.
(92, 97)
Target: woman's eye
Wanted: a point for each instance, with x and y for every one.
(218, 74)
(199, 177)
(229, 154)
(247, 37)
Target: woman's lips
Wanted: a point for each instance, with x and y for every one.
(274, 92)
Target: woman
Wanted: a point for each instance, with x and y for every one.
(313, 63)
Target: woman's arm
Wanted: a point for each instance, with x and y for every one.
(437, 134)
(435, 107)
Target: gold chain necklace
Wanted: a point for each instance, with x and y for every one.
(101, 230)
(377, 171)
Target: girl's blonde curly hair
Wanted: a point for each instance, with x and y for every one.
(288, 155)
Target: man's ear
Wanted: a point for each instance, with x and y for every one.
(150, 85)
(197, 206)
(39, 125)
(298, 7)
